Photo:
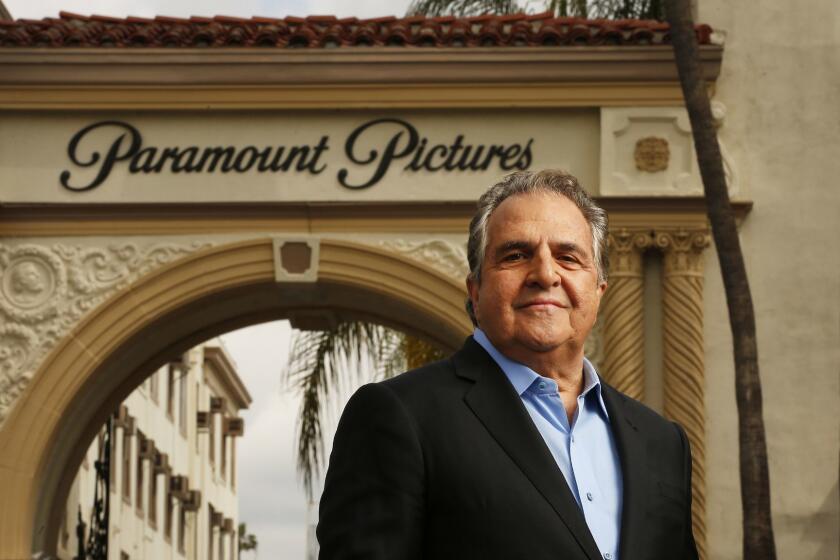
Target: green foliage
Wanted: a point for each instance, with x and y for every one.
(608, 9)
(322, 362)
(463, 8)
(247, 541)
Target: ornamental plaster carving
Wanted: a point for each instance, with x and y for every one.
(651, 154)
(46, 290)
(683, 250)
(650, 151)
(444, 256)
(623, 312)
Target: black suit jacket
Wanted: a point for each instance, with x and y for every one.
(445, 462)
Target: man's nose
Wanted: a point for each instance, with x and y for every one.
(544, 271)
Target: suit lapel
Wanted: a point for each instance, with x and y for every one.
(632, 452)
(496, 404)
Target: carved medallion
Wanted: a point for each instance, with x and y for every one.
(652, 154)
(31, 282)
(46, 290)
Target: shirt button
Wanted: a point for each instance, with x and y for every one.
(607, 556)
(573, 439)
(542, 385)
(589, 496)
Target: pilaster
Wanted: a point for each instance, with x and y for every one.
(683, 363)
(623, 313)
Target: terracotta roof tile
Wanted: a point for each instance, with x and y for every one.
(325, 31)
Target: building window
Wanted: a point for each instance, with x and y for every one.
(223, 451)
(233, 463)
(124, 556)
(167, 515)
(112, 460)
(153, 386)
(126, 466)
(152, 497)
(210, 530)
(182, 403)
(182, 529)
(197, 408)
(138, 477)
(170, 391)
(212, 441)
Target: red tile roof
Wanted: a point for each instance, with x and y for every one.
(72, 30)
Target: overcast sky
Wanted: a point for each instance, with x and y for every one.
(37, 9)
(271, 500)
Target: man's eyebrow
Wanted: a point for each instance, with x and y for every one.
(568, 247)
(512, 246)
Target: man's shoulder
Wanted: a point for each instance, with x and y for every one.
(640, 415)
(435, 374)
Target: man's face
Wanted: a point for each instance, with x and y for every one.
(539, 289)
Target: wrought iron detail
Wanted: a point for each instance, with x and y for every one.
(97, 539)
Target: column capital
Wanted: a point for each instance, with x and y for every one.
(626, 246)
(683, 249)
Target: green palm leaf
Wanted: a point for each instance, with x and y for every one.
(321, 363)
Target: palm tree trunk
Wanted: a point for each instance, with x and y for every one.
(759, 542)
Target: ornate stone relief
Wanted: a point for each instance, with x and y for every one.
(444, 256)
(651, 154)
(622, 312)
(649, 151)
(46, 290)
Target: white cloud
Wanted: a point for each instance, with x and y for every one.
(185, 8)
(271, 500)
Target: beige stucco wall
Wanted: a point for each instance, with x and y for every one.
(780, 83)
(34, 154)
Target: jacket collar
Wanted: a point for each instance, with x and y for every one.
(497, 405)
(494, 401)
(632, 452)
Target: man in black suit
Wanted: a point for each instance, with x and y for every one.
(513, 448)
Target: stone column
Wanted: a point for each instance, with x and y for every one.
(623, 314)
(683, 367)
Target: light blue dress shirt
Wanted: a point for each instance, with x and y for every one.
(585, 451)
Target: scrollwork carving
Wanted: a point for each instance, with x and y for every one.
(444, 256)
(45, 291)
(623, 312)
(683, 250)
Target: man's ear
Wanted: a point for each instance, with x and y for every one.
(472, 291)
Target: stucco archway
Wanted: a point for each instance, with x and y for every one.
(167, 311)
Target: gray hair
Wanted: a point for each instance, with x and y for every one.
(529, 182)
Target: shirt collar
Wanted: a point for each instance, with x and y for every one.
(522, 377)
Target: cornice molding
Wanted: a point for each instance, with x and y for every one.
(39, 220)
(260, 67)
(240, 79)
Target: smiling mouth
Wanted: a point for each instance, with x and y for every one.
(543, 304)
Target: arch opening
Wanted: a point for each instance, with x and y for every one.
(171, 310)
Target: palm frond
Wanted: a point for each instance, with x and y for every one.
(464, 8)
(627, 9)
(320, 363)
(607, 9)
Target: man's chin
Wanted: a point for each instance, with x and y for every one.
(545, 343)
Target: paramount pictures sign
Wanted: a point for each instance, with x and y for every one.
(404, 146)
(188, 157)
